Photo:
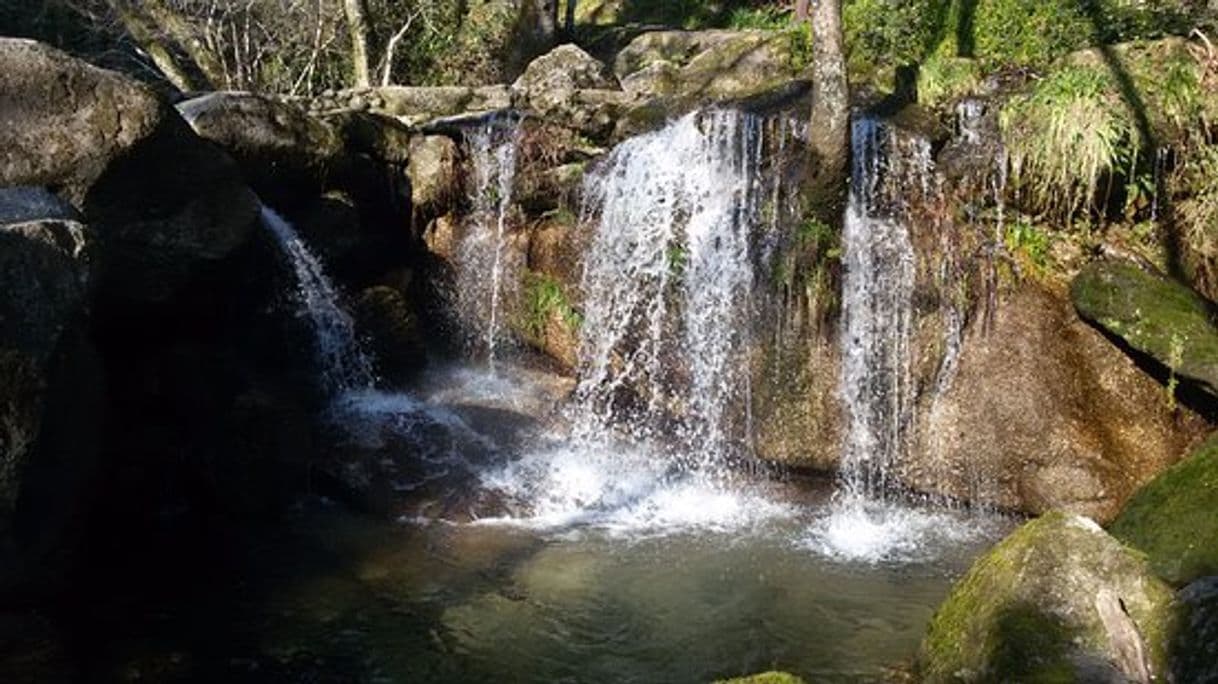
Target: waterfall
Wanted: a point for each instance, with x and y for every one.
(487, 274)
(667, 284)
(344, 366)
(659, 417)
(877, 320)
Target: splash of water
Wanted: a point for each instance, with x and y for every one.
(487, 271)
(344, 366)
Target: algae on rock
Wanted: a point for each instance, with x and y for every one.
(1057, 600)
(1173, 519)
(1153, 314)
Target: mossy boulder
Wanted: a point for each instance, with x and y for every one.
(1057, 600)
(709, 65)
(1174, 518)
(1152, 314)
(773, 677)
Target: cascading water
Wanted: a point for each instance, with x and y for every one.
(344, 366)
(867, 522)
(487, 271)
(668, 278)
(659, 415)
(877, 320)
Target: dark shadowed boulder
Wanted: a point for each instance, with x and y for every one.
(163, 203)
(49, 392)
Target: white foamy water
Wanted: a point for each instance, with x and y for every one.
(858, 529)
(625, 490)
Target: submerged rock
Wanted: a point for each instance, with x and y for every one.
(773, 677)
(1154, 315)
(1057, 600)
(1174, 518)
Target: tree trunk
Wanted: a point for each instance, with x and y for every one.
(143, 31)
(189, 40)
(357, 25)
(829, 134)
(801, 10)
(569, 22)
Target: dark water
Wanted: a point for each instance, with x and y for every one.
(337, 598)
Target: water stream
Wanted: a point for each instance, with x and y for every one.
(486, 268)
(343, 365)
(607, 530)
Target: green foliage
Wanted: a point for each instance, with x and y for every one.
(767, 18)
(1029, 241)
(882, 34)
(678, 258)
(544, 297)
(943, 79)
(1064, 136)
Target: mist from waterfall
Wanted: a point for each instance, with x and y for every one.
(343, 364)
(487, 272)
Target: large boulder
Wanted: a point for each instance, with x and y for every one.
(283, 152)
(550, 82)
(1044, 413)
(1154, 315)
(1174, 518)
(1057, 600)
(163, 203)
(713, 65)
(415, 105)
(49, 384)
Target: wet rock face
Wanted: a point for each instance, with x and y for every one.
(1043, 412)
(1172, 519)
(1154, 315)
(1057, 600)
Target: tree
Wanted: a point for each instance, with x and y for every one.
(357, 25)
(829, 135)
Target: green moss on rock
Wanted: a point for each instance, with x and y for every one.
(764, 678)
(1055, 601)
(1174, 518)
(1153, 314)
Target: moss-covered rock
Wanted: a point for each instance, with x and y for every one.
(1057, 600)
(1154, 315)
(773, 677)
(1174, 519)
(711, 65)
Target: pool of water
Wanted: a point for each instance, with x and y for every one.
(597, 563)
